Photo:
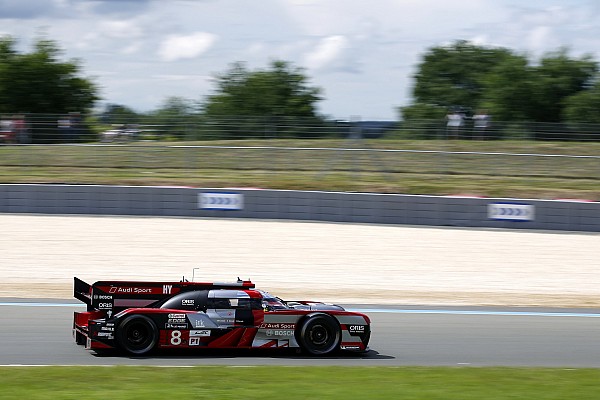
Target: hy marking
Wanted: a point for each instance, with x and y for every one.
(380, 310)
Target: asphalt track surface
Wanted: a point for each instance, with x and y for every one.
(35, 332)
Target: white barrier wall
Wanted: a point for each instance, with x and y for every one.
(301, 205)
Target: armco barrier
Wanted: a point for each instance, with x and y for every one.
(301, 205)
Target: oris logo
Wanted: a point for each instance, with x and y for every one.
(104, 305)
(356, 328)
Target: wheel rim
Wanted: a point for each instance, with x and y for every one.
(319, 335)
(138, 335)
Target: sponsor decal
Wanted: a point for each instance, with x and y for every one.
(221, 201)
(280, 333)
(185, 302)
(202, 333)
(176, 326)
(194, 341)
(277, 325)
(356, 328)
(199, 324)
(347, 347)
(177, 321)
(108, 335)
(105, 306)
(176, 316)
(102, 297)
(167, 289)
(511, 211)
(107, 328)
(129, 290)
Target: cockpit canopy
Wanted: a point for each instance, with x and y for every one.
(201, 300)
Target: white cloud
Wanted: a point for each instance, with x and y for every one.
(327, 53)
(539, 39)
(185, 46)
(120, 29)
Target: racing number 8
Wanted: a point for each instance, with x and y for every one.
(176, 338)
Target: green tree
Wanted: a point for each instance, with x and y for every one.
(507, 90)
(39, 82)
(281, 90)
(556, 79)
(267, 103)
(506, 84)
(173, 118)
(118, 114)
(451, 76)
(584, 107)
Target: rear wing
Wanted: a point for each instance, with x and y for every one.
(115, 296)
(83, 292)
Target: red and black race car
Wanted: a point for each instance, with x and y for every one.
(139, 317)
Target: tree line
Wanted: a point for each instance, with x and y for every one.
(509, 86)
(557, 88)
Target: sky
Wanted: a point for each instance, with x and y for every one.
(363, 54)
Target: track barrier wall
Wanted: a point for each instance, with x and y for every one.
(567, 215)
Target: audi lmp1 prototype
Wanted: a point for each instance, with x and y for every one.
(139, 317)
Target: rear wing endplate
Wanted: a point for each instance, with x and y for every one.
(82, 292)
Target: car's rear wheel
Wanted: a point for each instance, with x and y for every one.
(319, 334)
(137, 335)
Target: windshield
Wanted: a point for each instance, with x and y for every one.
(271, 302)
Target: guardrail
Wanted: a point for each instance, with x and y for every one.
(302, 205)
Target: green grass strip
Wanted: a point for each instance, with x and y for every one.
(320, 165)
(277, 382)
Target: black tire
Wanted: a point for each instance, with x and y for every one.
(319, 334)
(137, 335)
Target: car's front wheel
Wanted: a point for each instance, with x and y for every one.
(137, 335)
(319, 334)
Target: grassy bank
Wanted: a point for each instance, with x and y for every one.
(523, 169)
(274, 382)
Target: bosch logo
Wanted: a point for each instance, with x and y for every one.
(279, 333)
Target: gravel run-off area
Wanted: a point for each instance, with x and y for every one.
(334, 262)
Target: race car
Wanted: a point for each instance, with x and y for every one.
(140, 317)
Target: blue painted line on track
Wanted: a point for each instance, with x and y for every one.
(24, 304)
(379, 310)
(477, 312)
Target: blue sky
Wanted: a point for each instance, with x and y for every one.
(362, 53)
